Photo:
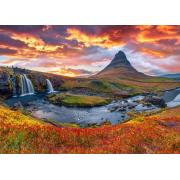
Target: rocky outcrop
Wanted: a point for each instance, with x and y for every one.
(38, 79)
(155, 100)
(5, 83)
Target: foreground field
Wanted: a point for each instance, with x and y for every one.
(158, 133)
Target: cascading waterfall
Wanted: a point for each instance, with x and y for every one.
(177, 98)
(49, 86)
(175, 102)
(26, 85)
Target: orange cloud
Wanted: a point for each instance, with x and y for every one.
(72, 45)
(36, 43)
(89, 40)
(66, 72)
(152, 34)
(156, 53)
(171, 30)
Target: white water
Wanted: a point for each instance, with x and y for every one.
(26, 85)
(177, 98)
(49, 86)
(175, 102)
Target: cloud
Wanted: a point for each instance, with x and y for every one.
(157, 48)
(71, 72)
(9, 42)
(87, 40)
(6, 51)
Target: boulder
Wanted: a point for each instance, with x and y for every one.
(17, 106)
(121, 109)
(155, 100)
(132, 105)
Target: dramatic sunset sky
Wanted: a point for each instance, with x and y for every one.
(85, 50)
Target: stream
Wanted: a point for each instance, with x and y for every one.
(83, 116)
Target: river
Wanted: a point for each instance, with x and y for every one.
(83, 116)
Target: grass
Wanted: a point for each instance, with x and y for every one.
(118, 85)
(149, 134)
(77, 100)
(62, 124)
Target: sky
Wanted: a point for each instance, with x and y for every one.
(86, 50)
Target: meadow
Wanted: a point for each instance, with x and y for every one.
(144, 133)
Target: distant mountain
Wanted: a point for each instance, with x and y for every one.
(121, 67)
(173, 76)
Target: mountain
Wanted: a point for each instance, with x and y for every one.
(173, 76)
(121, 67)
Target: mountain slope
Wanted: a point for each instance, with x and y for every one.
(121, 67)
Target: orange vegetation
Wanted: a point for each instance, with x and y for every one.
(143, 134)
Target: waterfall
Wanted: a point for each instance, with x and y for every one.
(26, 85)
(14, 86)
(49, 86)
(175, 102)
(177, 98)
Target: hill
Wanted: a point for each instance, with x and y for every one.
(173, 76)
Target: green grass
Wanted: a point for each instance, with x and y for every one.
(62, 124)
(115, 85)
(77, 100)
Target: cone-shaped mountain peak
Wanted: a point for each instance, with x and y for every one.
(121, 67)
(120, 59)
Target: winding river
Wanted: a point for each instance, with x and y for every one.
(39, 108)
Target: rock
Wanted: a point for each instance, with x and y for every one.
(155, 100)
(17, 106)
(113, 108)
(5, 86)
(121, 109)
(148, 104)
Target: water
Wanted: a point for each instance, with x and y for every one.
(79, 115)
(83, 116)
(40, 108)
(176, 100)
(170, 95)
(26, 85)
(49, 86)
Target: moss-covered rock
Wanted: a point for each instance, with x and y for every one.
(77, 100)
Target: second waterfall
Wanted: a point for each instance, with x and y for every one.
(49, 86)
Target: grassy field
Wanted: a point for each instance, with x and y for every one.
(121, 87)
(158, 133)
(77, 100)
